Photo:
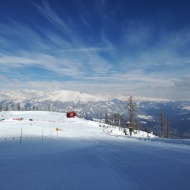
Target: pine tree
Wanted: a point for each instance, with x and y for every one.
(115, 119)
(106, 117)
(168, 128)
(165, 128)
(138, 125)
(161, 118)
(18, 106)
(132, 109)
(122, 120)
(1, 107)
(7, 108)
(12, 106)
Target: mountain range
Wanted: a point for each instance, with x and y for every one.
(98, 106)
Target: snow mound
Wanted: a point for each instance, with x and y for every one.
(117, 131)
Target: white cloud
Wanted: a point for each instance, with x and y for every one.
(148, 88)
(138, 64)
(56, 21)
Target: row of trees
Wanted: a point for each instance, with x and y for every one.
(165, 128)
(163, 120)
(17, 107)
(163, 123)
(10, 106)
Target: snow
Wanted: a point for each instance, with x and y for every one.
(71, 96)
(60, 95)
(86, 155)
(136, 133)
(147, 117)
(186, 108)
(67, 96)
(135, 98)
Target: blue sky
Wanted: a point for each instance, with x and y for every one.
(139, 48)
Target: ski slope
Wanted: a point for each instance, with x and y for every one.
(80, 155)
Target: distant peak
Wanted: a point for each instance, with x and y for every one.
(69, 96)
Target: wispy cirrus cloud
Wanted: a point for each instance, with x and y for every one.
(139, 58)
(70, 31)
(113, 87)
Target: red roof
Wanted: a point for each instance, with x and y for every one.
(71, 114)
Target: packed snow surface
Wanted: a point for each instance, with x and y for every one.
(46, 150)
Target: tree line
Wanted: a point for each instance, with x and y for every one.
(163, 125)
(17, 107)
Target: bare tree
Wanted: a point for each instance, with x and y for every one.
(161, 118)
(132, 109)
(106, 117)
(7, 108)
(12, 106)
(33, 108)
(165, 128)
(18, 106)
(115, 119)
(122, 120)
(168, 128)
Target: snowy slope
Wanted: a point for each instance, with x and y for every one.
(83, 156)
(34, 122)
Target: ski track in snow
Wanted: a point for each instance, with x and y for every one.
(82, 157)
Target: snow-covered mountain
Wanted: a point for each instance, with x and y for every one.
(95, 106)
(21, 95)
(71, 96)
(135, 98)
(66, 96)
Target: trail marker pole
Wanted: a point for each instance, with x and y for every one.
(21, 136)
(57, 129)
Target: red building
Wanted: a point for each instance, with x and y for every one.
(71, 114)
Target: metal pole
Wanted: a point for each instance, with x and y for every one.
(21, 136)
